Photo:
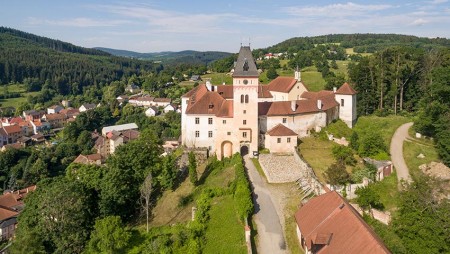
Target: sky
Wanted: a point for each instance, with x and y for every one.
(174, 25)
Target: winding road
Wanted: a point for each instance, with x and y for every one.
(270, 232)
(396, 151)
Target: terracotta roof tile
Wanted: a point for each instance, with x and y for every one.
(331, 214)
(316, 95)
(226, 91)
(264, 91)
(279, 108)
(226, 109)
(162, 100)
(209, 103)
(56, 116)
(6, 214)
(12, 129)
(282, 84)
(281, 130)
(346, 89)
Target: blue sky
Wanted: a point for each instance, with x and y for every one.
(173, 25)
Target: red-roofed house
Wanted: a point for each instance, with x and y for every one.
(329, 224)
(281, 139)
(13, 132)
(242, 117)
(95, 158)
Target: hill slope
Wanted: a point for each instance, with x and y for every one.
(186, 56)
(65, 67)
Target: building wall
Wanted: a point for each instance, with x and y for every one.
(347, 112)
(247, 134)
(301, 124)
(271, 143)
(203, 128)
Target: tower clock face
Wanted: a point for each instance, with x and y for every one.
(245, 82)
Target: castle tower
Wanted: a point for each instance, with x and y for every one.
(346, 97)
(245, 103)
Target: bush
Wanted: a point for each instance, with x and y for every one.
(368, 198)
(344, 154)
(371, 144)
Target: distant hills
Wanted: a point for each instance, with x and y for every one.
(168, 57)
(66, 68)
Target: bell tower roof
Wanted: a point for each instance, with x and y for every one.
(245, 65)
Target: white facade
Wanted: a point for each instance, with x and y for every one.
(347, 108)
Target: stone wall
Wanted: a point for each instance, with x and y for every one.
(309, 182)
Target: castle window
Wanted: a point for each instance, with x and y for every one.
(197, 134)
(284, 120)
(342, 102)
(210, 120)
(197, 120)
(246, 98)
(245, 111)
(244, 134)
(224, 121)
(278, 140)
(209, 134)
(242, 98)
(244, 122)
(289, 140)
(229, 133)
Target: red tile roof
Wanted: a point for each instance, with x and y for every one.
(6, 214)
(281, 108)
(12, 129)
(316, 95)
(226, 109)
(264, 91)
(56, 116)
(282, 84)
(17, 119)
(329, 219)
(226, 91)
(281, 130)
(162, 100)
(346, 89)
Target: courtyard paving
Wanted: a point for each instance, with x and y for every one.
(281, 168)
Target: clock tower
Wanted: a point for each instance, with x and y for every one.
(245, 102)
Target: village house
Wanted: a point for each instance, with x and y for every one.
(114, 136)
(226, 119)
(329, 224)
(195, 78)
(54, 109)
(171, 107)
(12, 132)
(32, 115)
(161, 102)
(39, 126)
(11, 204)
(38, 138)
(141, 101)
(66, 103)
(70, 112)
(86, 107)
(56, 120)
(90, 159)
(151, 111)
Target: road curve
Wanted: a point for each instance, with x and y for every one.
(270, 232)
(396, 151)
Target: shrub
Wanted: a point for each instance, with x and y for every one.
(368, 198)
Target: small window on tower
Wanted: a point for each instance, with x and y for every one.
(342, 102)
(197, 120)
(244, 134)
(278, 140)
(244, 122)
(246, 98)
(242, 98)
(284, 120)
(289, 140)
(245, 111)
(224, 121)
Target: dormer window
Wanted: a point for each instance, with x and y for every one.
(210, 106)
(245, 67)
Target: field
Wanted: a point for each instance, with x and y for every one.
(412, 148)
(386, 126)
(317, 153)
(14, 88)
(350, 51)
(217, 78)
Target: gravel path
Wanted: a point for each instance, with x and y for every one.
(270, 232)
(397, 152)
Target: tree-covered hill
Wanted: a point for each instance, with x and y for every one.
(362, 43)
(168, 57)
(63, 66)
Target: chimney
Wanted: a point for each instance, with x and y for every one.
(293, 106)
(334, 89)
(319, 104)
(208, 85)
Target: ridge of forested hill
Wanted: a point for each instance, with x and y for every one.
(362, 43)
(169, 57)
(51, 43)
(62, 66)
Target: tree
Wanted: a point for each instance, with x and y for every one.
(192, 168)
(343, 154)
(368, 198)
(59, 214)
(109, 236)
(272, 73)
(336, 174)
(371, 144)
(146, 191)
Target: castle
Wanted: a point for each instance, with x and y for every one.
(247, 115)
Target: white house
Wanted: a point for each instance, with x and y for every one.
(119, 128)
(86, 107)
(151, 111)
(54, 109)
(170, 107)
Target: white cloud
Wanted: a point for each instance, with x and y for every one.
(437, 1)
(77, 22)
(333, 10)
(419, 22)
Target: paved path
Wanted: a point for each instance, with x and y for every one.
(270, 232)
(397, 152)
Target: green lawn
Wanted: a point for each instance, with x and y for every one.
(14, 88)
(225, 232)
(385, 125)
(317, 153)
(342, 67)
(313, 80)
(350, 51)
(410, 151)
(218, 78)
